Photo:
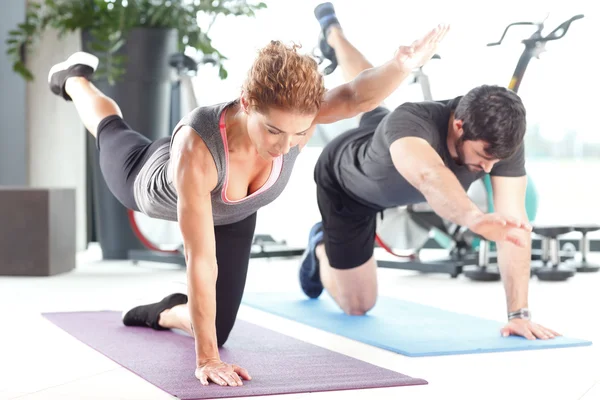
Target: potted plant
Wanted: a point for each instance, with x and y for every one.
(109, 22)
(133, 40)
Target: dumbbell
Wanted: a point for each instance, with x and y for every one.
(552, 269)
(483, 272)
(584, 246)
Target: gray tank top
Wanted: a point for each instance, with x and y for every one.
(156, 196)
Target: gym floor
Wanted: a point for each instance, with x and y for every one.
(40, 361)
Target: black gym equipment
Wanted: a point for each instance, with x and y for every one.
(420, 224)
(263, 246)
(584, 265)
(552, 269)
(476, 263)
(485, 270)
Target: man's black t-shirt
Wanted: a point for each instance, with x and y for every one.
(362, 163)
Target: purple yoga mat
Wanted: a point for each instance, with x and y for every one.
(278, 364)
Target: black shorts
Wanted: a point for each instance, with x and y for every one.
(348, 225)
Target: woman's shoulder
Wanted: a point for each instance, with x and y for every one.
(190, 151)
(210, 111)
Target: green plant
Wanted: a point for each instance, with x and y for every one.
(109, 21)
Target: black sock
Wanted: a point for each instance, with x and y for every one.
(148, 314)
(325, 14)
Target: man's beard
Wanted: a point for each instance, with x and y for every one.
(460, 154)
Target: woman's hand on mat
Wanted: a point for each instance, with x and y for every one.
(527, 329)
(499, 228)
(421, 50)
(221, 373)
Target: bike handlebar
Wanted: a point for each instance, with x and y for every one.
(557, 33)
(562, 28)
(182, 62)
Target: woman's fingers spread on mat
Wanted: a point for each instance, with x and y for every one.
(243, 372)
(227, 376)
(202, 377)
(221, 373)
(236, 378)
(231, 378)
(215, 376)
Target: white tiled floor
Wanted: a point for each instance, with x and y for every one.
(40, 361)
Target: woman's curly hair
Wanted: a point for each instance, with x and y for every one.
(283, 79)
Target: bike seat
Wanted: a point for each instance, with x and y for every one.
(585, 228)
(552, 231)
(182, 62)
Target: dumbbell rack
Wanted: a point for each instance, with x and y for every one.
(549, 263)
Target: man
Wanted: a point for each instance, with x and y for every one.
(429, 151)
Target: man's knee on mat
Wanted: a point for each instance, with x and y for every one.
(356, 288)
(357, 304)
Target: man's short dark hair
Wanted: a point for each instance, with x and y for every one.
(495, 115)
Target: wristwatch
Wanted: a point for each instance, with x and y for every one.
(522, 313)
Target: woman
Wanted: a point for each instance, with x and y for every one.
(222, 163)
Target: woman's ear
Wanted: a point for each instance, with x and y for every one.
(244, 102)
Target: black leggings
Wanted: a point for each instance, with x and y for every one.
(122, 153)
(234, 243)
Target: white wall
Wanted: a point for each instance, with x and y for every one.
(56, 149)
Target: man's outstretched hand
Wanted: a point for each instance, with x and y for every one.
(527, 329)
(496, 227)
(421, 50)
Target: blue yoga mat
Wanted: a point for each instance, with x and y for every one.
(403, 327)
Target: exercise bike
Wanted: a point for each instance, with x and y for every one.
(162, 239)
(404, 231)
